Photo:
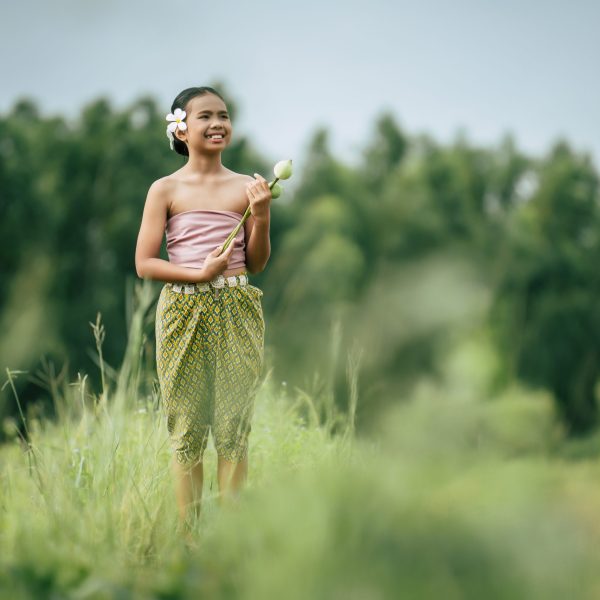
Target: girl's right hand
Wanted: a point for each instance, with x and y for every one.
(214, 264)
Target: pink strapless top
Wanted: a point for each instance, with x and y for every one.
(193, 234)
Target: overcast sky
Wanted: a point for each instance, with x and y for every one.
(487, 67)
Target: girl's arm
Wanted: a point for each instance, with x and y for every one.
(258, 246)
(147, 263)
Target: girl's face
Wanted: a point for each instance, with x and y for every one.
(206, 115)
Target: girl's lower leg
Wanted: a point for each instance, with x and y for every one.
(231, 477)
(188, 489)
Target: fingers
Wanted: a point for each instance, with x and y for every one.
(227, 252)
(260, 178)
(259, 183)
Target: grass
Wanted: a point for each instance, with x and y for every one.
(456, 496)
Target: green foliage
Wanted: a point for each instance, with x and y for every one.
(353, 247)
(545, 314)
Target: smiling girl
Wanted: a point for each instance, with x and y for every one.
(209, 320)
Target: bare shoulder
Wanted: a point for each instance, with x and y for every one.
(240, 178)
(163, 185)
(240, 183)
(160, 191)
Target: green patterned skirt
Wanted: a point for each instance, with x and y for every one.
(209, 360)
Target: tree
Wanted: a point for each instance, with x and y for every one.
(546, 315)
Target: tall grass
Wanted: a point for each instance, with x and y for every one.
(458, 496)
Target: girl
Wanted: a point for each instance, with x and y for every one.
(209, 319)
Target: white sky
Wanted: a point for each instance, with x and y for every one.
(487, 67)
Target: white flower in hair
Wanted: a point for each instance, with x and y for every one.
(177, 122)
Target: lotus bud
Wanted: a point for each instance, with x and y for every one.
(276, 189)
(283, 169)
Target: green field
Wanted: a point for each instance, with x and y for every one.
(455, 495)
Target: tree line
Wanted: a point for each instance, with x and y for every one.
(386, 256)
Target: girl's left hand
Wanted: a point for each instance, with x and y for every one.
(260, 196)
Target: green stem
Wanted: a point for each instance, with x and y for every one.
(239, 225)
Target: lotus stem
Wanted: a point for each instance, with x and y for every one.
(239, 225)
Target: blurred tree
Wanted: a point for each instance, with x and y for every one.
(384, 153)
(546, 318)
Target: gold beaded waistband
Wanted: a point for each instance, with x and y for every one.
(218, 282)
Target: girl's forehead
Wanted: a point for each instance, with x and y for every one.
(208, 102)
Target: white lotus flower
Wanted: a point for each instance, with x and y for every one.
(177, 122)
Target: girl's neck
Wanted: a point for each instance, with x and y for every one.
(202, 164)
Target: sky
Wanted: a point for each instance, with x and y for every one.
(484, 68)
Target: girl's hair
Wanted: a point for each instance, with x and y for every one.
(181, 101)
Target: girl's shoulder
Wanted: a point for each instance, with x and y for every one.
(245, 178)
(166, 182)
(236, 182)
(160, 190)
(239, 177)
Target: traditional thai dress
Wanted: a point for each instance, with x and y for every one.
(209, 342)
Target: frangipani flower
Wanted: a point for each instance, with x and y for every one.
(282, 170)
(177, 122)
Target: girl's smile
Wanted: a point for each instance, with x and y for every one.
(216, 140)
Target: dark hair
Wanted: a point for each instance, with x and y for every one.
(181, 101)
